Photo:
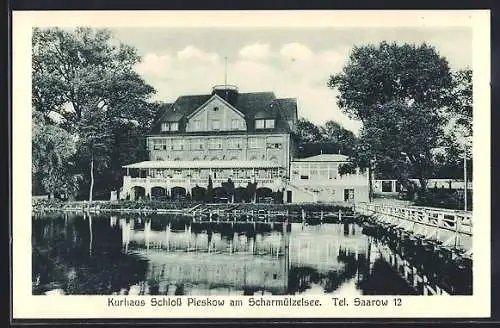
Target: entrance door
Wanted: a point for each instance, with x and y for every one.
(348, 195)
(288, 196)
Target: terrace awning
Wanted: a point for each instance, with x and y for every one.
(203, 165)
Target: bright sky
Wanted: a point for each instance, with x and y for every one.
(291, 62)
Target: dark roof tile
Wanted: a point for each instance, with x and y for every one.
(288, 107)
(252, 105)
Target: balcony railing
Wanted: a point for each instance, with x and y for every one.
(196, 180)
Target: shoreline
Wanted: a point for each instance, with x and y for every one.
(182, 206)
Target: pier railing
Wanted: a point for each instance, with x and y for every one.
(449, 227)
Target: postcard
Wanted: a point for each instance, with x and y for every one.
(251, 164)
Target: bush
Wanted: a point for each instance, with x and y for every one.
(443, 198)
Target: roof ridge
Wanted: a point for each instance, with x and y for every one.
(197, 95)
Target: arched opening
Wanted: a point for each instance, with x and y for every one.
(220, 195)
(177, 159)
(253, 158)
(178, 193)
(214, 158)
(138, 192)
(196, 159)
(274, 159)
(241, 195)
(198, 193)
(158, 193)
(264, 195)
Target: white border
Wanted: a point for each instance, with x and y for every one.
(27, 306)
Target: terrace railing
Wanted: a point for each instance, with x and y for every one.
(450, 227)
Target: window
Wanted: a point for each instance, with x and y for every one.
(196, 144)
(255, 143)
(169, 126)
(386, 186)
(259, 124)
(215, 125)
(159, 144)
(264, 124)
(177, 144)
(216, 109)
(275, 145)
(323, 172)
(235, 143)
(215, 144)
(333, 172)
(235, 124)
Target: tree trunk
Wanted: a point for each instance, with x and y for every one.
(423, 184)
(370, 184)
(91, 178)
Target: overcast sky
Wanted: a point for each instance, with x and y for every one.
(291, 62)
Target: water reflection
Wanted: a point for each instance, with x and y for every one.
(170, 255)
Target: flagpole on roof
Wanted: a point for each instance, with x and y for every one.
(225, 76)
(225, 72)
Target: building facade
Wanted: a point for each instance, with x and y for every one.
(245, 138)
(317, 179)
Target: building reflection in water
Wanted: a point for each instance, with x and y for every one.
(169, 255)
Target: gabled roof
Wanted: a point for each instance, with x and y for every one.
(214, 96)
(324, 158)
(252, 105)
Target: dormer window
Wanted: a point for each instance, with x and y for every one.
(169, 126)
(264, 124)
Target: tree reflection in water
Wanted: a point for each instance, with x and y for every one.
(82, 254)
(381, 279)
(62, 259)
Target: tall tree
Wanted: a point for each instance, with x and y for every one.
(94, 144)
(456, 141)
(52, 152)
(461, 100)
(329, 138)
(334, 133)
(376, 75)
(403, 141)
(307, 132)
(397, 91)
(86, 70)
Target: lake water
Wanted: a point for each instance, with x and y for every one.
(169, 255)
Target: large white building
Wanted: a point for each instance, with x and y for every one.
(245, 138)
